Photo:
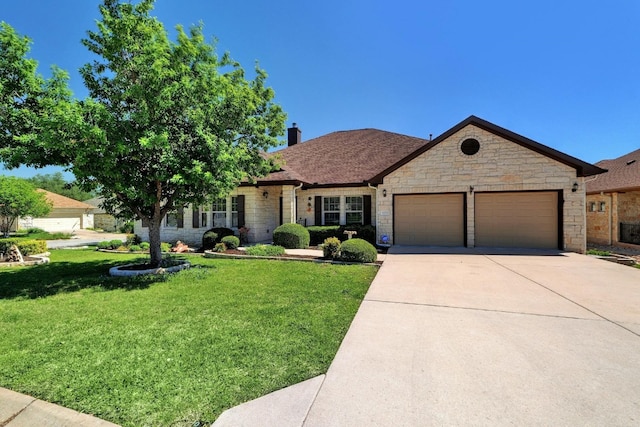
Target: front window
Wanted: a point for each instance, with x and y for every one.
(603, 206)
(354, 209)
(234, 211)
(204, 216)
(331, 210)
(171, 220)
(592, 206)
(220, 213)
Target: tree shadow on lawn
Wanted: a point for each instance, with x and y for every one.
(59, 277)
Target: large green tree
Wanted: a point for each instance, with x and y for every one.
(18, 198)
(35, 113)
(56, 183)
(166, 124)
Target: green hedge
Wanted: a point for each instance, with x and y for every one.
(319, 233)
(215, 235)
(357, 250)
(26, 247)
(265, 250)
(231, 242)
(291, 236)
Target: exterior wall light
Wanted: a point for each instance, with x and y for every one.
(265, 194)
(575, 187)
(384, 192)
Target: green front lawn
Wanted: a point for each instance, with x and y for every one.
(173, 350)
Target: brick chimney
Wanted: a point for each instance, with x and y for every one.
(294, 135)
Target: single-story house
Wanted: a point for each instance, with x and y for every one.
(66, 215)
(101, 219)
(613, 202)
(477, 184)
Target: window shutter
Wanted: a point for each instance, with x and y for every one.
(366, 207)
(240, 200)
(196, 217)
(318, 210)
(180, 217)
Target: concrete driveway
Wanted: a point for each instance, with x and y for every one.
(479, 338)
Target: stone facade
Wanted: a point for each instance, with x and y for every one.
(500, 165)
(605, 211)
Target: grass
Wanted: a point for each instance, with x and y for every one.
(598, 252)
(170, 350)
(42, 235)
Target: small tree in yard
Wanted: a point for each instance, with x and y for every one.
(19, 198)
(166, 123)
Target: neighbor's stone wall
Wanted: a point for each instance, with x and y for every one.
(629, 206)
(599, 223)
(500, 165)
(603, 227)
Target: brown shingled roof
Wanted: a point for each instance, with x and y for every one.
(623, 174)
(63, 202)
(360, 157)
(351, 157)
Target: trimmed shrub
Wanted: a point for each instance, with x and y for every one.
(231, 242)
(104, 245)
(331, 247)
(320, 233)
(135, 248)
(291, 236)
(209, 239)
(26, 247)
(220, 247)
(115, 243)
(265, 250)
(165, 247)
(133, 239)
(357, 250)
(35, 230)
(365, 232)
(145, 246)
(215, 235)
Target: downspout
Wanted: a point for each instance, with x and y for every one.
(295, 203)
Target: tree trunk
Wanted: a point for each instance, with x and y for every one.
(154, 241)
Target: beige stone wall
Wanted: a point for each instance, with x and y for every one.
(306, 201)
(261, 217)
(500, 165)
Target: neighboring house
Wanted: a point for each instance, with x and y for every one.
(66, 215)
(613, 202)
(102, 219)
(477, 184)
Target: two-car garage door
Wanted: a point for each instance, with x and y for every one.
(510, 219)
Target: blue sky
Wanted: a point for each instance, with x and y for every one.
(564, 73)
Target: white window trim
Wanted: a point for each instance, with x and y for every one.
(339, 211)
(361, 210)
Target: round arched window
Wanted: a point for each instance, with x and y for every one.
(470, 146)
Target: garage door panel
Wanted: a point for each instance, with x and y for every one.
(429, 219)
(519, 219)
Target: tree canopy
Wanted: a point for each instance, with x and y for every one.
(19, 198)
(56, 183)
(166, 124)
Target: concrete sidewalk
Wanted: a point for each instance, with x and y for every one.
(85, 238)
(19, 410)
(466, 337)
